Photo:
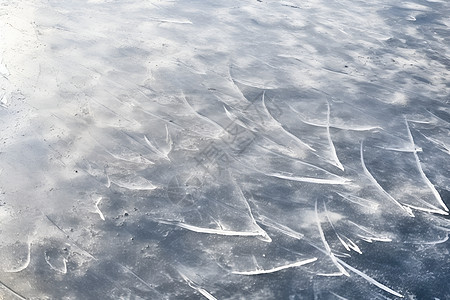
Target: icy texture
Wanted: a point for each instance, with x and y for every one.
(224, 149)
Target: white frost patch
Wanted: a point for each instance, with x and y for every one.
(399, 98)
(414, 6)
(3, 69)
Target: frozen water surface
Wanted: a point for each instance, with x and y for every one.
(224, 149)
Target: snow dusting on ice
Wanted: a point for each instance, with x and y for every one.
(242, 149)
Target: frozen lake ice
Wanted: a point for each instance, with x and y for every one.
(224, 149)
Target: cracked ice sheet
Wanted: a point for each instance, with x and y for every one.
(247, 149)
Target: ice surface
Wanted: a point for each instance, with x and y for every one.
(224, 149)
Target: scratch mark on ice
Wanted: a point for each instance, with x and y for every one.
(283, 229)
(308, 179)
(360, 201)
(208, 120)
(441, 145)
(169, 141)
(429, 210)
(439, 118)
(170, 21)
(433, 242)
(276, 269)
(156, 150)
(234, 118)
(137, 277)
(12, 291)
(196, 287)
(372, 237)
(400, 149)
(339, 297)
(370, 279)
(68, 236)
(359, 128)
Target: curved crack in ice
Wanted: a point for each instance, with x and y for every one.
(212, 230)
(360, 128)
(97, 209)
(424, 176)
(279, 125)
(327, 246)
(264, 236)
(25, 265)
(375, 182)
(347, 245)
(59, 270)
(330, 141)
